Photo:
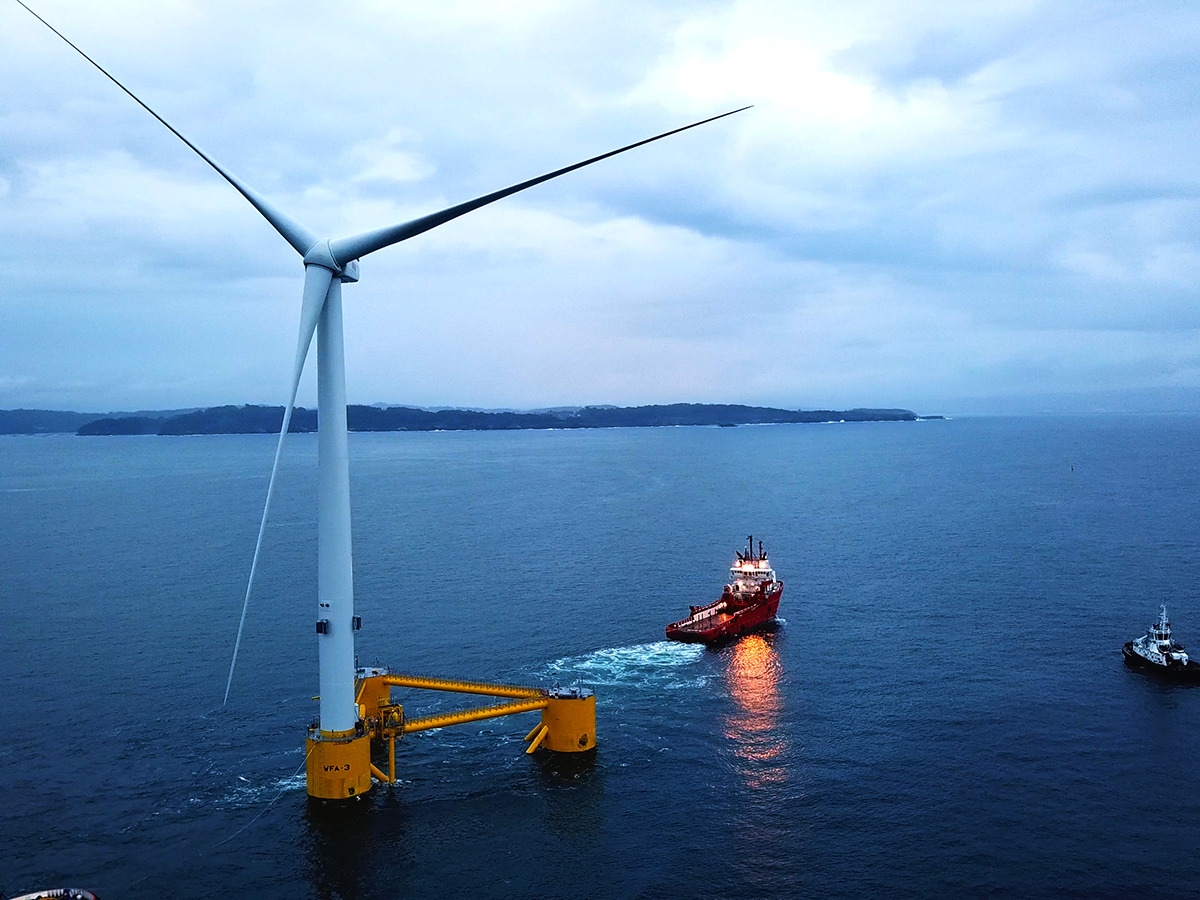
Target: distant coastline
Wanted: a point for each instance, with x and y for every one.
(269, 419)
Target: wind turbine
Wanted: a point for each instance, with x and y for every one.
(338, 750)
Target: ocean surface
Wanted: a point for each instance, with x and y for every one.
(942, 712)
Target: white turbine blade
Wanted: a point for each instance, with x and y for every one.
(293, 232)
(358, 246)
(316, 287)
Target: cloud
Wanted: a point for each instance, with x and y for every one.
(928, 202)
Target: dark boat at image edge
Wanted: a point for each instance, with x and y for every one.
(1156, 654)
(749, 601)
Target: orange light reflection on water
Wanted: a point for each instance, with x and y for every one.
(755, 726)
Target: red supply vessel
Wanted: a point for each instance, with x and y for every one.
(749, 600)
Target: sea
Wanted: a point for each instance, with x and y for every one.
(940, 711)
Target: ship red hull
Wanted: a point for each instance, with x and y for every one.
(711, 624)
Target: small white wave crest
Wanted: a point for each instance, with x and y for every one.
(251, 793)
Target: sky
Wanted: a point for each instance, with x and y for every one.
(952, 208)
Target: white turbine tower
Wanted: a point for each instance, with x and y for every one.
(339, 749)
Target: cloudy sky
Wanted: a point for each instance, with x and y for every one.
(957, 208)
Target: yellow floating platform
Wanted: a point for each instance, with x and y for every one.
(339, 764)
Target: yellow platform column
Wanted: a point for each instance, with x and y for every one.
(372, 692)
(570, 721)
(338, 766)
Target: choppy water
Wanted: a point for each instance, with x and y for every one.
(943, 712)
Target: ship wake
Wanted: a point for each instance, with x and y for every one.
(662, 664)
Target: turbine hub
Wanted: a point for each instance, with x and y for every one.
(320, 254)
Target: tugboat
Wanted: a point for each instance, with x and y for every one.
(749, 600)
(1158, 654)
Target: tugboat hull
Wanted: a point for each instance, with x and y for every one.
(709, 624)
(1184, 674)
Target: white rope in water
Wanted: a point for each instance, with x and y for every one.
(263, 811)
